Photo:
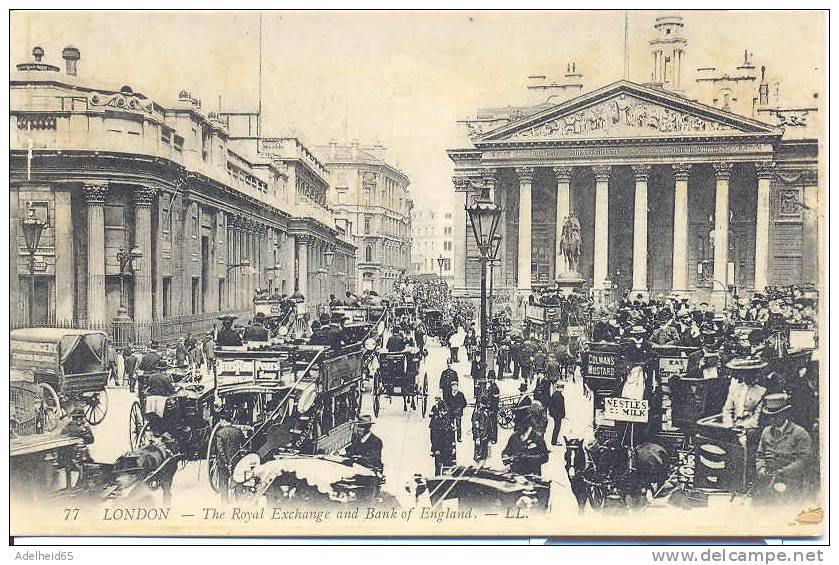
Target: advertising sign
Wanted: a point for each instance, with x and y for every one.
(627, 409)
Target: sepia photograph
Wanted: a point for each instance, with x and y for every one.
(554, 274)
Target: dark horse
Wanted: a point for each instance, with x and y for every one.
(612, 475)
(576, 462)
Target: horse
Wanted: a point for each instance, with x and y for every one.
(570, 243)
(576, 462)
(621, 476)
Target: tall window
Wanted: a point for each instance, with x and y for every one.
(368, 254)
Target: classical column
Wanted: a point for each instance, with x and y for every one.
(143, 198)
(95, 195)
(302, 242)
(563, 211)
(812, 233)
(639, 233)
(526, 175)
(722, 172)
(461, 229)
(601, 225)
(765, 172)
(16, 316)
(65, 293)
(681, 172)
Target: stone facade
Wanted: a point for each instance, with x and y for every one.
(373, 204)
(114, 170)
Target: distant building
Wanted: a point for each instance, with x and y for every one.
(373, 204)
(701, 187)
(433, 229)
(216, 210)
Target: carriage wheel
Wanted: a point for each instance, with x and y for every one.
(136, 426)
(505, 418)
(52, 407)
(96, 406)
(212, 461)
(424, 395)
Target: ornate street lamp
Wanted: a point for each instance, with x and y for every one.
(32, 227)
(126, 263)
(484, 216)
(440, 261)
(493, 261)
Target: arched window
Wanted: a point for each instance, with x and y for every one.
(368, 254)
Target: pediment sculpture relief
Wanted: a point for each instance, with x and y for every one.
(619, 116)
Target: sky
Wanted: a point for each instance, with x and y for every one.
(398, 78)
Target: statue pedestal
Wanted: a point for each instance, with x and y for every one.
(569, 281)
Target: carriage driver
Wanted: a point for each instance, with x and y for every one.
(227, 336)
(366, 447)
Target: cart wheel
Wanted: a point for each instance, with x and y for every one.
(136, 425)
(424, 395)
(96, 406)
(505, 418)
(212, 461)
(52, 407)
(376, 404)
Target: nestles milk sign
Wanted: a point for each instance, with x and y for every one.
(626, 409)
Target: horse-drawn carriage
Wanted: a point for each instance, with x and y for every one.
(278, 312)
(681, 413)
(319, 481)
(435, 324)
(398, 375)
(65, 368)
(554, 325)
(483, 488)
(290, 399)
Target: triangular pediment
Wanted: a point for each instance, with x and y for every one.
(625, 110)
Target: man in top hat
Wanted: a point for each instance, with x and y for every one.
(666, 333)
(151, 358)
(745, 395)
(256, 331)
(556, 408)
(785, 448)
(456, 402)
(366, 446)
(493, 396)
(442, 432)
(227, 336)
(526, 451)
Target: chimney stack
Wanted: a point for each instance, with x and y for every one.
(71, 56)
(764, 88)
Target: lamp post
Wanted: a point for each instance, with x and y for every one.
(32, 227)
(126, 262)
(329, 256)
(440, 261)
(484, 216)
(493, 261)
